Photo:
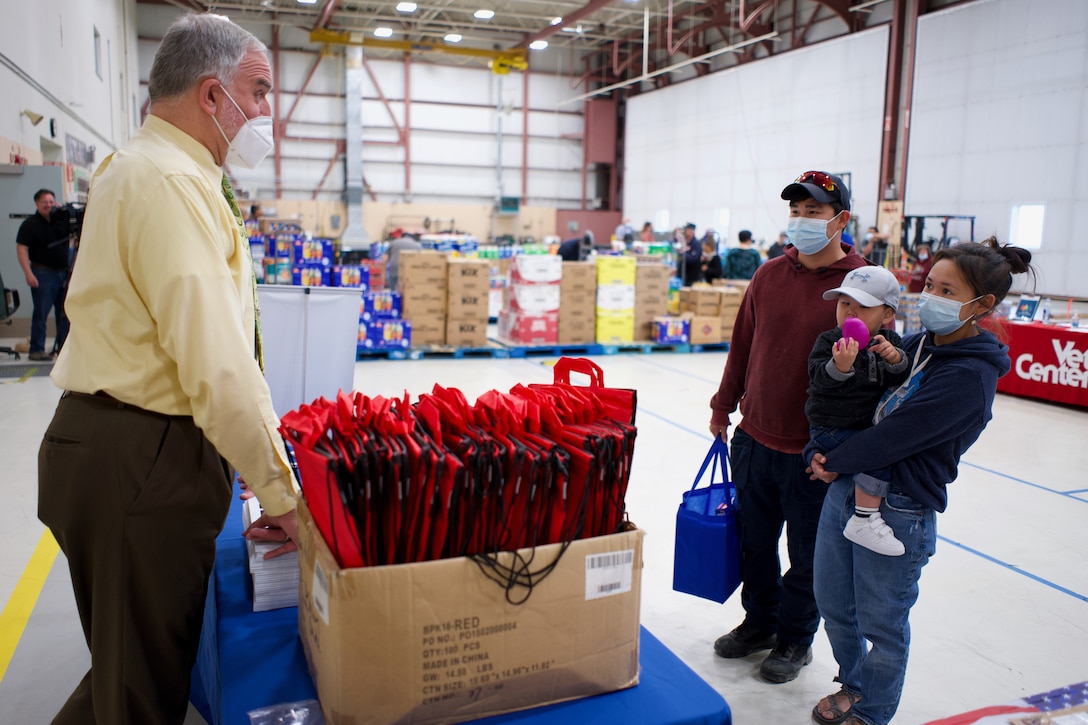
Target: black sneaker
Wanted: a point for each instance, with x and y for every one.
(785, 661)
(743, 641)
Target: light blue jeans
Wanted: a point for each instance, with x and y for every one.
(865, 598)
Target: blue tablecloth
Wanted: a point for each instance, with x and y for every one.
(254, 659)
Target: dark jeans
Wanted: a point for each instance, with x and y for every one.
(773, 490)
(48, 295)
(135, 500)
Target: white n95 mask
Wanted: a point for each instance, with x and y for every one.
(252, 143)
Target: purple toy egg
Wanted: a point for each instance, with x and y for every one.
(855, 329)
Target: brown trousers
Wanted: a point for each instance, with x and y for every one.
(135, 499)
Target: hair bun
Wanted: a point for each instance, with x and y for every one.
(1017, 257)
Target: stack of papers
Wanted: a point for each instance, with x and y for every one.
(275, 581)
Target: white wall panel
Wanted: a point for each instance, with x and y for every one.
(733, 139)
(1000, 118)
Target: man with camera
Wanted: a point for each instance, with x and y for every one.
(42, 245)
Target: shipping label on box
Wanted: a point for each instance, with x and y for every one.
(536, 269)
(442, 644)
(671, 330)
(385, 334)
(533, 298)
(616, 297)
(616, 270)
(380, 304)
(466, 332)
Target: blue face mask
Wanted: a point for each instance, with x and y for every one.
(808, 235)
(939, 315)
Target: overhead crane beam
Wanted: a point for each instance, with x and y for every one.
(501, 61)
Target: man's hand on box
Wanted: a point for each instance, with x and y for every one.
(282, 529)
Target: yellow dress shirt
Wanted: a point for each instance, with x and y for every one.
(161, 304)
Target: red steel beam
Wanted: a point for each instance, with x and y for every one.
(385, 101)
(340, 147)
(302, 90)
(892, 86)
(591, 7)
(916, 7)
(331, 6)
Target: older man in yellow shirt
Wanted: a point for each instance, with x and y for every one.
(164, 394)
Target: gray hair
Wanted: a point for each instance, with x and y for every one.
(195, 47)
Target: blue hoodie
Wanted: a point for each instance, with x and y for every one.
(923, 439)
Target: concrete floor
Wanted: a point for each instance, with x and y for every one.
(1003, 611)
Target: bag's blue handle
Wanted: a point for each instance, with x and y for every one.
(719, 451)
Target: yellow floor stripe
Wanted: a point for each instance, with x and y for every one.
(17, 612)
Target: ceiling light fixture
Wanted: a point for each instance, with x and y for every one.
(383, 32)
(483, 14)
(556, 20)
(538, 45)
(406, 7)
(453, 38)
(307, 2)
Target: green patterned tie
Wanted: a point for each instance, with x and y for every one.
(258, 345)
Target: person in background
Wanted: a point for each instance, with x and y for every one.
(779, 247)
(578, 249)
(711, 264)
(392, 257)
(875, 247)
(647, 233)
(42, 249)
(692, 256)
(766, 374)
(625, 232)
(921, 432)
(923, 262)
(164, 391)
(743, 261)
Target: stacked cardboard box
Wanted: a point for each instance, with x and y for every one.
(423, 279)
(380, 323)
(530, 313)
(615, 299)
(651, 297)
(703, 306)
(577, 300)
(730, 304)
(467, 287)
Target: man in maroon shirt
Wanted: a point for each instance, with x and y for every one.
(781, 315)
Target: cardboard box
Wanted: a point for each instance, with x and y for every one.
(310, 275)
(616, 297)
(651, 307)
(579, 277)
(576, 330)
(468, 275)
(423, 302)
(615, 270)
(613, 327)
(581, 304)
(380, 304)
(671, 330)
(536, 269)
(530, 329)
(467, 304)
(706, 330)
(700, 301)
(421, 269)
(533, 298)
(351, 275)
(652, 279)
(385, 334)
(470, 332)
(441, 644)
(428, 330)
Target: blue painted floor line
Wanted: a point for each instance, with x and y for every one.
(1066, 494)
(1016, 569)
(700, 378)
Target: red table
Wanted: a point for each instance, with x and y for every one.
(1048, 362)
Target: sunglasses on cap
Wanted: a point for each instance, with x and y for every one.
(820, 179)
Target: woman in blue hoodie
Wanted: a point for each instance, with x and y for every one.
(922, 430)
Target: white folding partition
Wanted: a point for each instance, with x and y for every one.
(310, 336)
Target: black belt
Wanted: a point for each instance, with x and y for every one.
(46, 266)
(102, 398)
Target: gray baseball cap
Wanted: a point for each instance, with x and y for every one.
(869, 286)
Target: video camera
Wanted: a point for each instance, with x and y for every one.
(68, 217)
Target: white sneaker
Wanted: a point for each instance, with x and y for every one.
(874, 535)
